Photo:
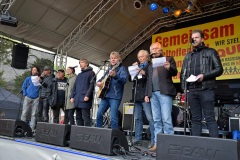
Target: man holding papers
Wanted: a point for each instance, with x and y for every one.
(160, 90)
(200, 69)
(30, 90)
(139, 88)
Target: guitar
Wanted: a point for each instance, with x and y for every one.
(106, 82)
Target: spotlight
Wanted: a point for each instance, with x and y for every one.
(165, 10)
(137, 4)
(8, 20)
(190, 5)
(153, 6)
(177, 13)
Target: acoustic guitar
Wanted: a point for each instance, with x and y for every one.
(106, 83)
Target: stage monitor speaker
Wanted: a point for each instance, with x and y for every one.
(98, 140)
(19, 56)
(57, 134)
(14, 128)
(179, 147)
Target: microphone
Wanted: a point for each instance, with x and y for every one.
(192, 41)
(105, 61)
(75, 66)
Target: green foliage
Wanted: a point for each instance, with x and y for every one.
(18, 81)
(3, 83)
(5, 50)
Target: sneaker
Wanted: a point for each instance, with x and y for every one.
(151, 144)
(137, 143)
(153, 149)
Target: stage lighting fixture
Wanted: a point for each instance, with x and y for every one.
(177, 13)
(8, 20)
(137, 4)
(189, 7)
(165, 10)
(153, 6)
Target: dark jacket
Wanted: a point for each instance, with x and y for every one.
(210, 67)
(45, 81)
(165, 78)
(52, 92)
(141, 86)
(82, 87)
(116, 87)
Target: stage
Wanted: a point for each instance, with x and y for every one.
(29, 149)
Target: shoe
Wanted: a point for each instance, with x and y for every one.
(151, 144)
(137, 143)
(153, 149)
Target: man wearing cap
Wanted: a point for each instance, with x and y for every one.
(56, 95)
(43, 108)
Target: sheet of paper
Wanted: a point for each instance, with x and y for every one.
(192, 78)
(157, 62)
(35, 80)
(133, 70)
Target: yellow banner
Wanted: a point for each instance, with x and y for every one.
(222, 35)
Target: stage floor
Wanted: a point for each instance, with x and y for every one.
(29, 149)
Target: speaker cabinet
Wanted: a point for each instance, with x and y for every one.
(178, 147)
(57, 134)
(14, 128)
(98, 140)
(19, 56)
(234, 123)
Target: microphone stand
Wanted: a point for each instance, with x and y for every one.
(134, 101)
(185, 105)
(100, 68)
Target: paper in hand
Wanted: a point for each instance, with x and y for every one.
(157, 62)
(133, 70)
(35, 80)
(192, 78)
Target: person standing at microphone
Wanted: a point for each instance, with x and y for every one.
(160, 90)
(204, 63)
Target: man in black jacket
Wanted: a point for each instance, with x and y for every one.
(205, 64)
(139, 88)
(43, 108)
(56, 95)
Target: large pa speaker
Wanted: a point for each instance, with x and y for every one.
(98, 140)
(20, 56)
(179, 147)
(14, 128)
(57, 134)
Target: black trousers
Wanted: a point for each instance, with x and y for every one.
(56, 113)
(83, 117)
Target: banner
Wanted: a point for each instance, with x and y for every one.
(222, 35)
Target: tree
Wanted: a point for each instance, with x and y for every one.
(18, 81)
(3, 83)
(5, 50)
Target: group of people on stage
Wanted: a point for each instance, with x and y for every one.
(153, 91)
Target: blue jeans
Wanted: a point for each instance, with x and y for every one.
(161, 110)
(139, 106)
(103, 107)
(202, 101)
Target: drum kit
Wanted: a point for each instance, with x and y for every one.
(178, 111)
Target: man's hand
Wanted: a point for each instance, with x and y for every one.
(112, 73)
(167, 65)
(147, 99)
(200, 77)
(72, 100)
(99, 84)
(86, 98)
(134, 64)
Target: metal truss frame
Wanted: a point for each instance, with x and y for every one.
(5, 5)
(166, 21)
(88, 22)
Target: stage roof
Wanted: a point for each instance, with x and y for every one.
(47, 23)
